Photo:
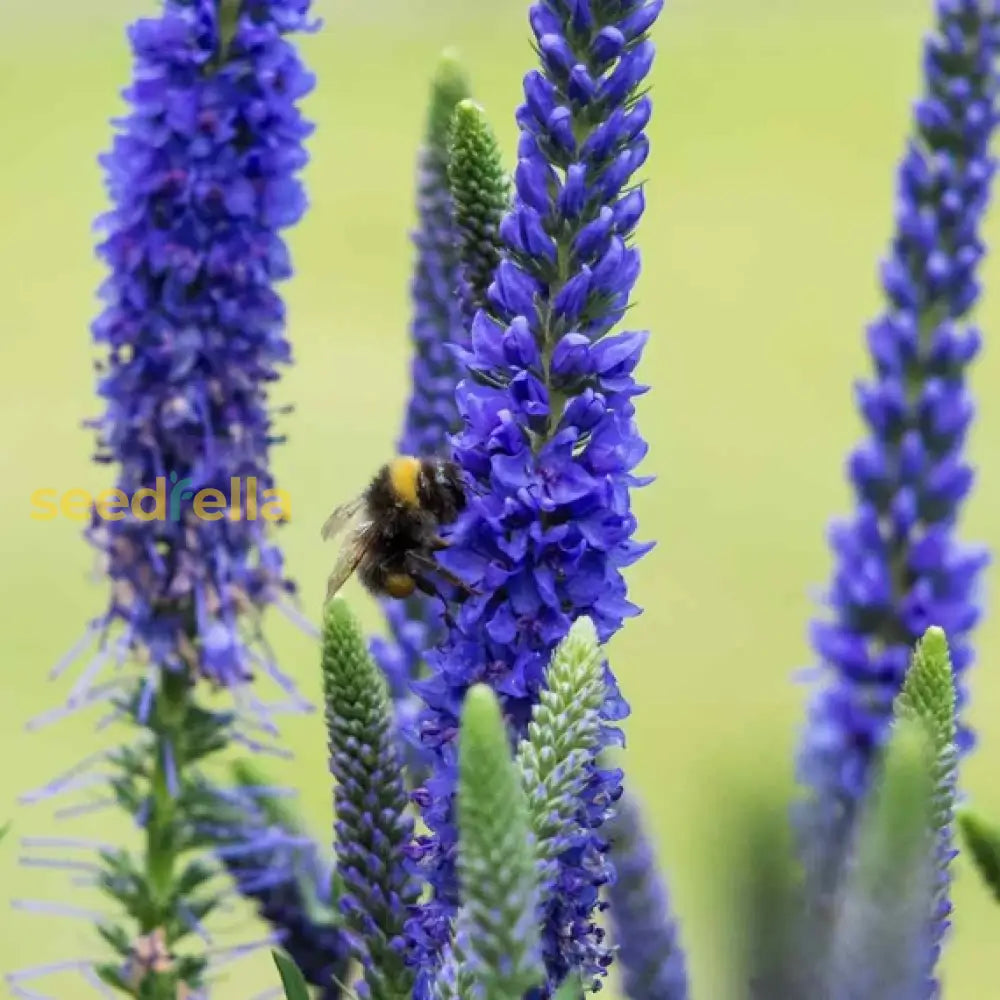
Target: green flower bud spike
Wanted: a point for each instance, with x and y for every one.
(370, 801)
(480, 192)
(449, 87)
(551, 765)
(928, 694)
(881, 933)
(929, 688)
(498, 924)
(563, 738)
(896, 905)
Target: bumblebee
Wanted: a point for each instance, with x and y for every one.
(391, 531)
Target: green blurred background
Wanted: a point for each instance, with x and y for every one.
(770, 190)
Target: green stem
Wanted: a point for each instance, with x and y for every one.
(557, 398)
(228, 17)
(162, 847)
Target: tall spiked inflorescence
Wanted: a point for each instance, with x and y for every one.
(496, 860)
(560, 747)
(898, 564)
(437, 321)
(202, 175)
(370, 800)
(549, 440)
(431, 414)
(277, 867)
(480, 192)
(650, 959)
(893, 902)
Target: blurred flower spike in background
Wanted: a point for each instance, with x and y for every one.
(899, 566)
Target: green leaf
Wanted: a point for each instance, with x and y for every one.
(496, 864)
(291, 977)
(4, 830)
(982, 840)
(894, 830)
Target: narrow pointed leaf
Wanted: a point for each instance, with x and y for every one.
(291, 978)
(982, 841)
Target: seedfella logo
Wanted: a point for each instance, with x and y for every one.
(169, 499)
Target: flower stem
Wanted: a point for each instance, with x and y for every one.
(169, 716)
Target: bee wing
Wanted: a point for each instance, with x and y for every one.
(352, 521)
(344, 515)
(350, 555)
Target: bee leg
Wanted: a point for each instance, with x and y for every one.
(423, 563)
(426, 586)
(438, 543)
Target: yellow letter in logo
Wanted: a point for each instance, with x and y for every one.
(204, 499)
(159, 495)
(76, 505)
(277, 506)
(111, 504)
(44, 506)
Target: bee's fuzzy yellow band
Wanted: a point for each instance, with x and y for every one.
(403, 476)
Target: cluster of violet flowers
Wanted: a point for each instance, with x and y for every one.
(487, 843)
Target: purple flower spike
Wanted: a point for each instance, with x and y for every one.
(431, 414)
(650, 957)
(203, 179)
(899, 567)
(549, 441)
(279, 869)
